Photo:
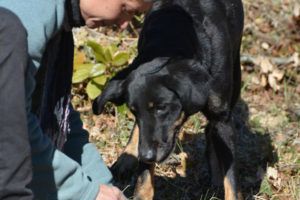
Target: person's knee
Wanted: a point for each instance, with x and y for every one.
(11, 28)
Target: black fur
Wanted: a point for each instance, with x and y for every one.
(188, 61)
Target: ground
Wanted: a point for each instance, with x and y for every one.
(267, 117)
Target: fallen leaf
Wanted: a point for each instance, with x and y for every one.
(272, 173)
(296, 60)
(273, 83)
(266, 66)
(278, 74)
(255, 80)
(296, 11)
(263, 80)
(181, 170)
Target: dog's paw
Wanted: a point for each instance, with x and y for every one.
(124, 168)
(144, 196)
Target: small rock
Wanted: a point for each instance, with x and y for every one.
(272, 173)
(265, 45)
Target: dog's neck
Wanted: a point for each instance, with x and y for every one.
(168, 31)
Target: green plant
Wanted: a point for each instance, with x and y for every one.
(95, 72)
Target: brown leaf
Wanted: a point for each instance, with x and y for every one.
(263, 80)
(266, 66)
(255, 80)
(181, 170)
(273, 83)
(295, 58)
(296, 11)
(79, 58)
(278, 74)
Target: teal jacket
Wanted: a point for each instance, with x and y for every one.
(76, 172)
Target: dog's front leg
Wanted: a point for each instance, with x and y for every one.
(144, 189)
(127, 164)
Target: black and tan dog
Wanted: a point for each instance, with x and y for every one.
(188, 61)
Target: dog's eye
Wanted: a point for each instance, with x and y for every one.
(132, 108)
(160, 109)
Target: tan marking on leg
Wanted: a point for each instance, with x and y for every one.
(229, 192)
(132, 146)
(144, 189)
(180, 120)
(240, 195)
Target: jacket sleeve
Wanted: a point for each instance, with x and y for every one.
(42, 19)
(55, 175)
(78, 148)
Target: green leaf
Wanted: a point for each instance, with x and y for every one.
(108, 55)
(82, 73)
(100, 58)
(85, 66)
(265, 188)
(98, 50)
(100, 80)
(97, 70)
(120, 58)
(122, 110)
(93, 90)
(113, 49)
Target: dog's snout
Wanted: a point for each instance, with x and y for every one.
(148, 156)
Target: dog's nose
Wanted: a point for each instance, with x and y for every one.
(148, 156)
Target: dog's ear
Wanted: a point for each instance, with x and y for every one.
(189, 80)
(113, 92)
(152, 67)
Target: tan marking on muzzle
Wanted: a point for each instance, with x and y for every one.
(229, 192)
(132, 146)
(144, 189)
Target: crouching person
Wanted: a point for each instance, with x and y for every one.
(44, 151)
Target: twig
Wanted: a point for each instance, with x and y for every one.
(275, 60)
(264, 37)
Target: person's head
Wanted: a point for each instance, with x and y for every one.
(107, 12)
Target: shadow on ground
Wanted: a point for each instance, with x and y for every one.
(254, 153)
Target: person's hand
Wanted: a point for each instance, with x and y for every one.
(107, 192)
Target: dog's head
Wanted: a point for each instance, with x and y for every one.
(161, 94)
